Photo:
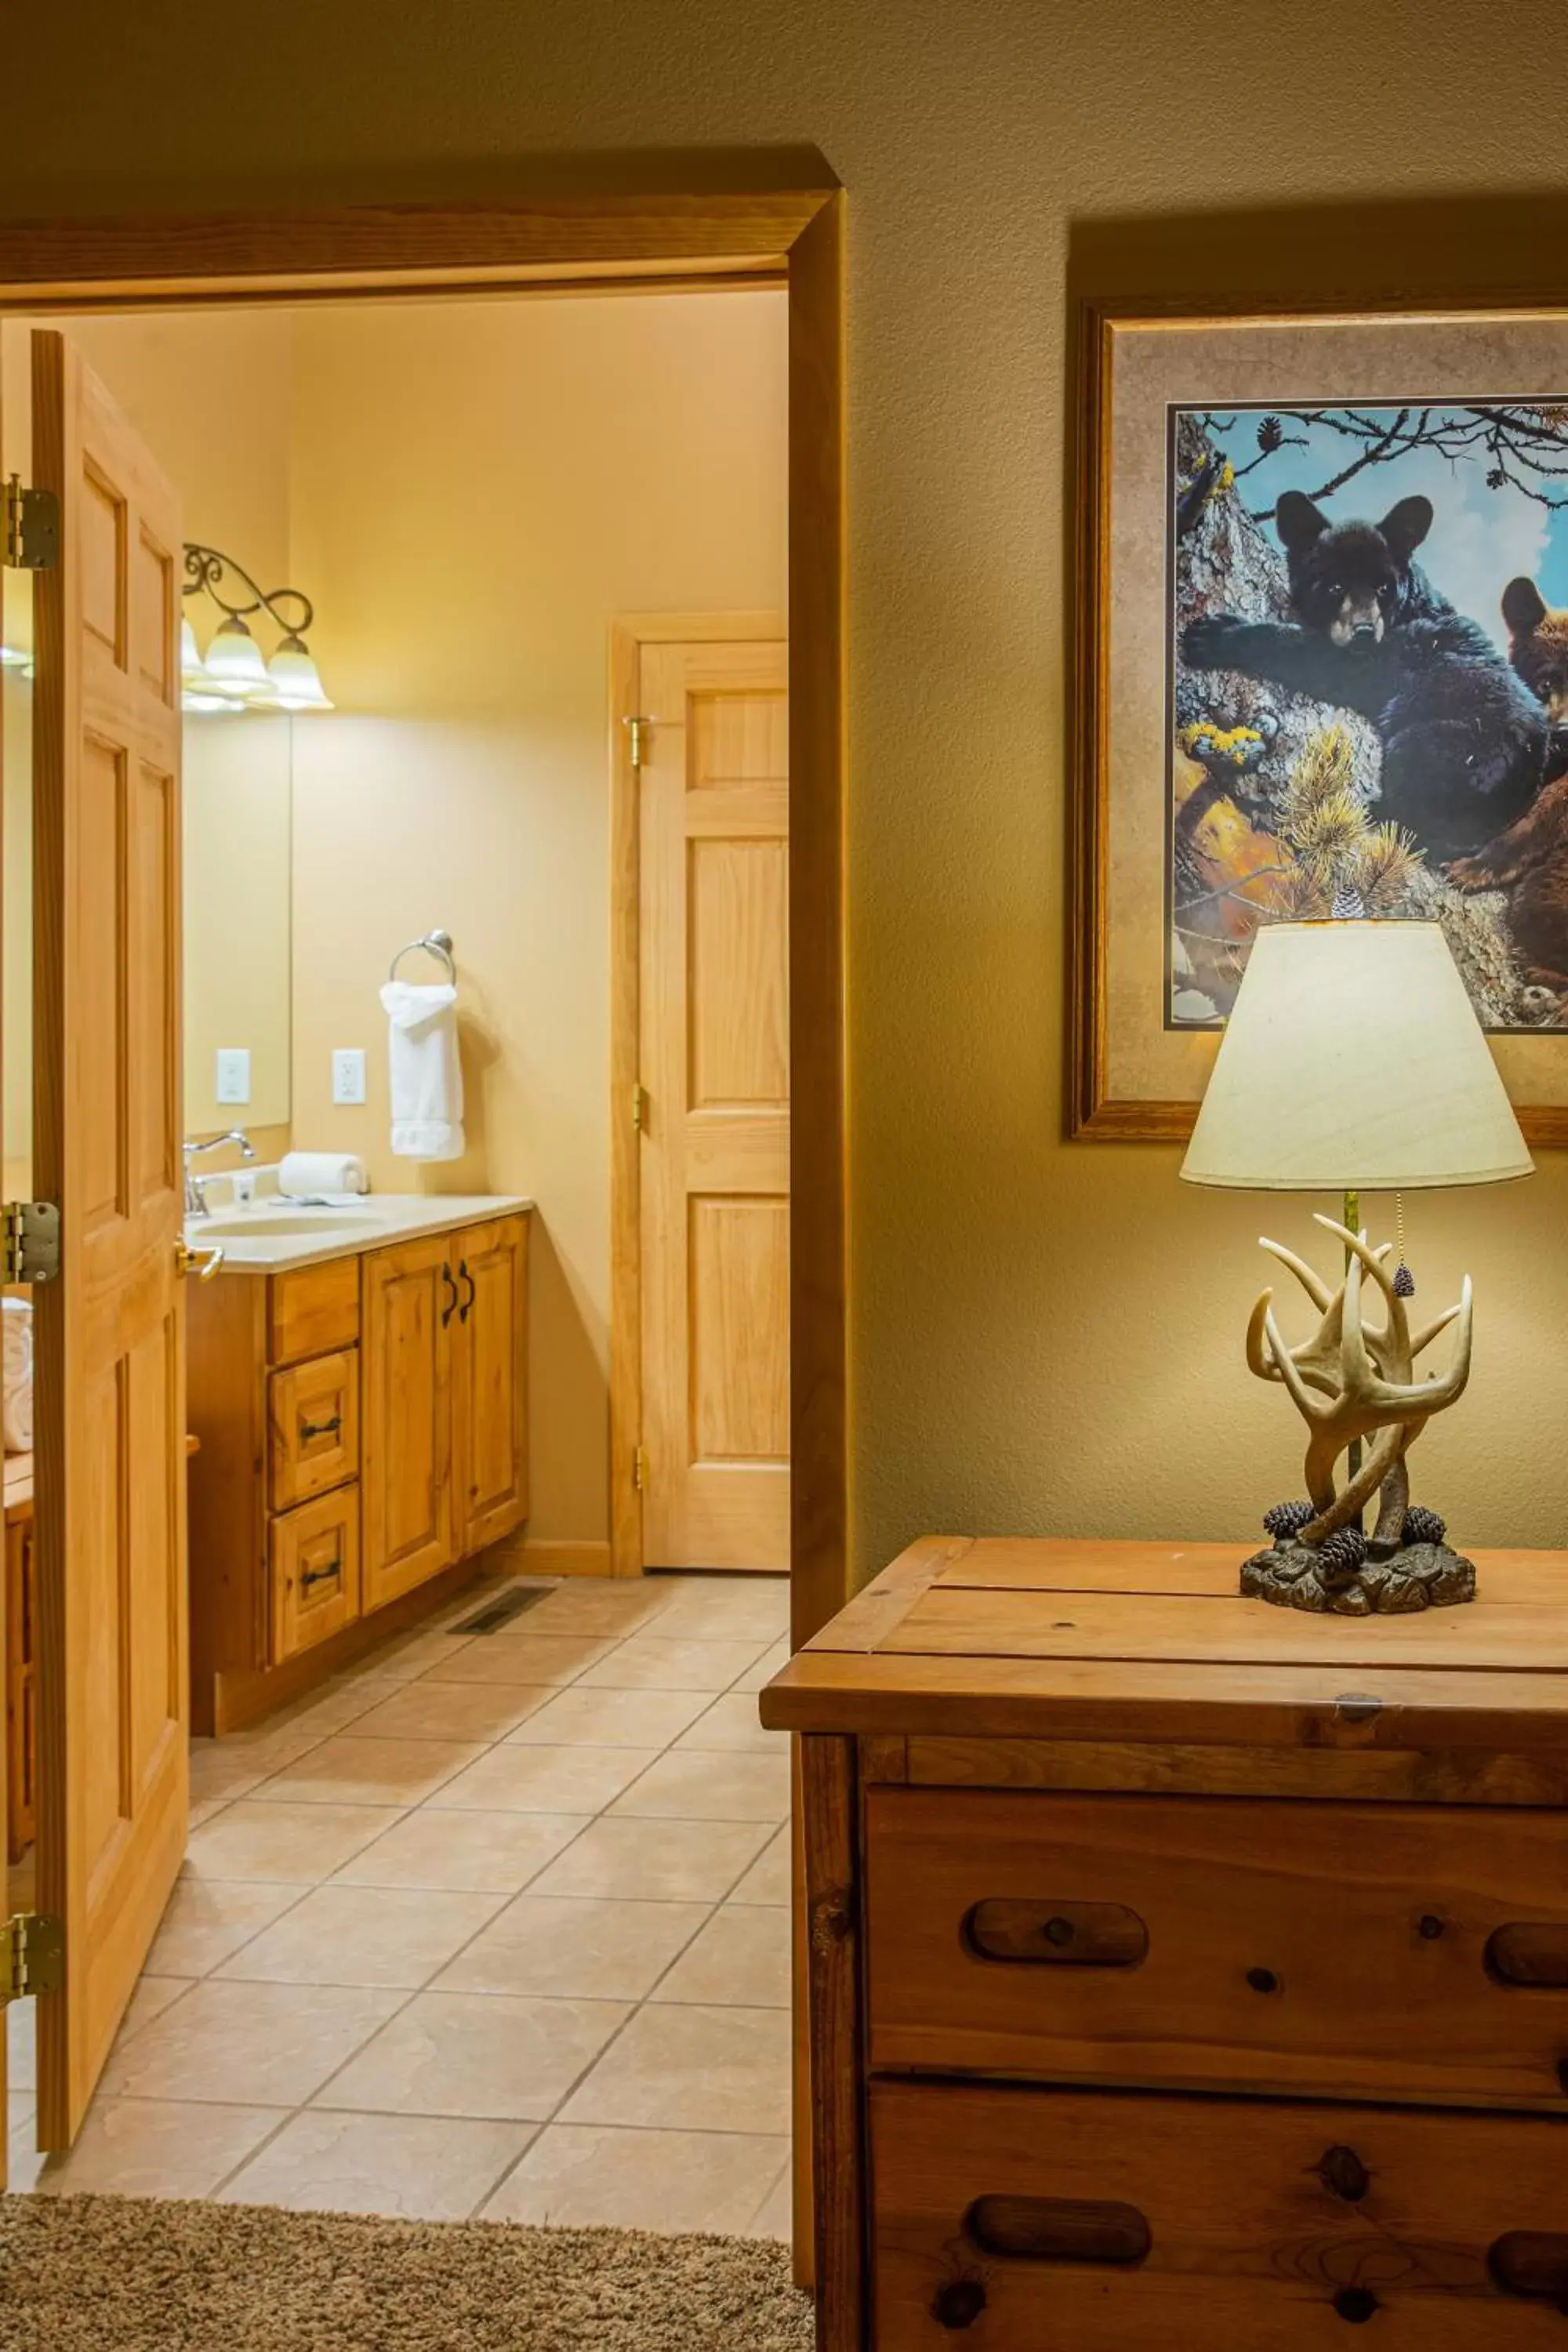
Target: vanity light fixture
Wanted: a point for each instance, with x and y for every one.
(234, 676)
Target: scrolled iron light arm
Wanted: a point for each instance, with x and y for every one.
(208, 568)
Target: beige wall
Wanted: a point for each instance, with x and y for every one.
(1044, 1336)
(478, 490)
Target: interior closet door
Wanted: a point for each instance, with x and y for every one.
(113, 1777)
(713, 986)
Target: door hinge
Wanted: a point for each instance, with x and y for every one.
(638, 735)
(640, 1467)
(34, 1957)
(32, 1241)
(639, 1107)
(32, 528)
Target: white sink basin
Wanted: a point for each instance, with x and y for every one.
(259, 1226)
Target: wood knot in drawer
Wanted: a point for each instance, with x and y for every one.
(832, 1918)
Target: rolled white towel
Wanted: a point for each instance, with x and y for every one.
(17, 1375)
(322, 1171)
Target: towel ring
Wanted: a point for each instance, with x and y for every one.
(435, 943)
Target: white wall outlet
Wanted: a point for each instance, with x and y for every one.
(348, 1074)
(232, 1083)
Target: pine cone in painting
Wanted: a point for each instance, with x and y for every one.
(1284, 1521)
(1423, 1527)
(1340, 1555)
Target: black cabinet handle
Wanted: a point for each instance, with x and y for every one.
(328, 1575)
(451, 1303)
(309, 1429)
(466, 1307)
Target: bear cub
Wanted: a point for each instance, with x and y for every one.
(1464, 739)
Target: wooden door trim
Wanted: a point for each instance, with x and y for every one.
(628, 635)
(605, 224)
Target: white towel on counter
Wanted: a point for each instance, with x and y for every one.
(426, 1071)
(322, 1171)
(16, 1374)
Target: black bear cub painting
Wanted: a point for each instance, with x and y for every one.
(1465, 739)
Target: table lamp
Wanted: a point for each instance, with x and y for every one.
(1353, 1062)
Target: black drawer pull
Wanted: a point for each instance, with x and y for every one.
(447, 1311)
(959, 2304)
(328, 1575)
(1532, 2263)
(464, 1275)
(309, 1429)
(1069, 1935)
(1529, 1952)
(1059, 2229)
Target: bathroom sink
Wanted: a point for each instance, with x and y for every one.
(258, 1225)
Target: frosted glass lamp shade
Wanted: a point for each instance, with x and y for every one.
(1353, 1061)
(233, 664)
(296, 678)
(193, 670)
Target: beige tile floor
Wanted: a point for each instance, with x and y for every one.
(494, 1925)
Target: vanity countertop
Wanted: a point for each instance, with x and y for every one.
(276, 1235)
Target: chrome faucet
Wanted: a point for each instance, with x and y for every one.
(195, 1186)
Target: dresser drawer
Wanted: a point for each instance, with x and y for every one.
(313, 1428)
(1345, 1950)
(315, 1572)
(313, 1310)
(1016, 2220)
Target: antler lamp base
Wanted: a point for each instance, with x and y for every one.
(1353, 1382)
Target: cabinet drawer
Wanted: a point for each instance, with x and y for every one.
(1349, 1950)
(315, 1571)
(313, 1310)
(313, 1428)
(1014, 2219)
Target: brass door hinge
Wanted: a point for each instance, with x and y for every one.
(639, 1107)
(31, 1251)
(34, 1958)
(637, 732)
(640, 1467)
(32, 528)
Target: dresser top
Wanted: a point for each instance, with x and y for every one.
(1071, 1639)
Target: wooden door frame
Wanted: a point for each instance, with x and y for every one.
(629, 632)
(774, 220)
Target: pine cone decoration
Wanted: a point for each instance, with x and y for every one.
(1284, 1521)
(1340, 1555)
(1423, 1527)
(1404, 1281)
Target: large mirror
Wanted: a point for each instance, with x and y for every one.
(238, 778)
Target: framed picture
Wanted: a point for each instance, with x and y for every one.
(1322, 666)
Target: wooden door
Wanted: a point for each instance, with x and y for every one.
(713, 1019)
(411, 1295)
(489, 1382)
(110, 1406)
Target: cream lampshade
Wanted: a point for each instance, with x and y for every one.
(1352, 1061)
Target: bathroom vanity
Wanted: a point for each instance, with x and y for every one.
(357, 1381)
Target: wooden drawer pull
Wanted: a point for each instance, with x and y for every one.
(1058, 2230)
(1529, 1952)
(1069, 1935)
(309, 1429)
(1533, 2264)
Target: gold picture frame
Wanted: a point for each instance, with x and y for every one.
(1131, 1076)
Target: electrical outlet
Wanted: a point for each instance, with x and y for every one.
(348, 1074)
(232, 1083)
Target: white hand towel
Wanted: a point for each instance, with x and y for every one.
(16, 1374)
(427, 1072)
(322, 1171)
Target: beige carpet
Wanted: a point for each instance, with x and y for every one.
(126, 2275)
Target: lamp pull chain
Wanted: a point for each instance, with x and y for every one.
(1404, 1280)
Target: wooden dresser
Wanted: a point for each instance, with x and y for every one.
(1185, 1973)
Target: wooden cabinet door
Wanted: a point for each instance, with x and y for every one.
(489, 1409)
(110, 1453)
(410, 1298)
(713, 985)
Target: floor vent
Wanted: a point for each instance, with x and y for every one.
(506, 1604)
